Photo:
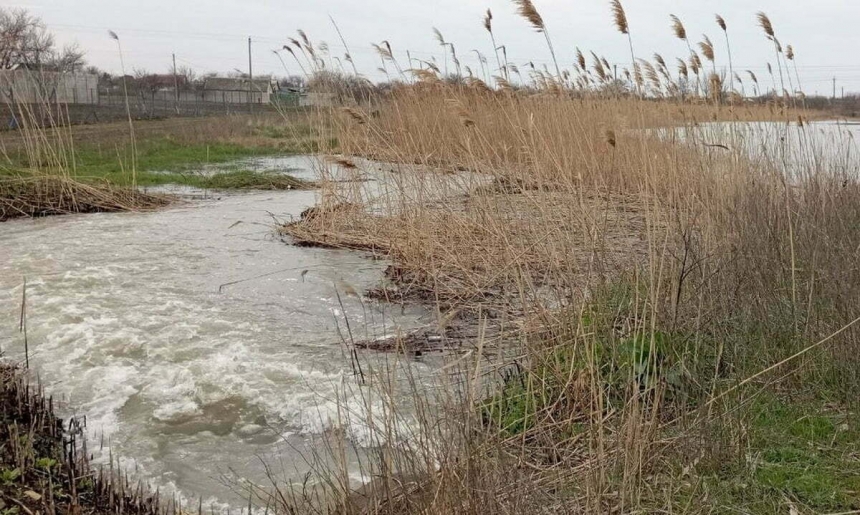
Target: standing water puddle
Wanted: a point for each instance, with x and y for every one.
(188, 379)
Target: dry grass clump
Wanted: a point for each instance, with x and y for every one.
(480, 248)
(47, 194)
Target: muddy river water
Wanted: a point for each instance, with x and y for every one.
(191, 381)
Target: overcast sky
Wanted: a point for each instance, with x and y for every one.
(212, 35)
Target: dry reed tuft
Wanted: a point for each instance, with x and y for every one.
(619, 17)
(707, 49)
(36, 194)
(527, 10)
(765, 24)
(678, 28)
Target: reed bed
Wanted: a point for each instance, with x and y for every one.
(677, 301)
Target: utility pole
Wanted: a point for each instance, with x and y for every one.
(834, 88)
(175, 86)
(250, 78)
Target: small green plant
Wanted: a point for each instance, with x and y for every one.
(9, 476)
(46, 463)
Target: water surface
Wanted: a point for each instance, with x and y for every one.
(192, 338)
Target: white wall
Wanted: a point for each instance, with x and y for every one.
(48, 87)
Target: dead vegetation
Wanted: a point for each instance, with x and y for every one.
(34, 195)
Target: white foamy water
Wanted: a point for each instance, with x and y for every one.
(190, 337)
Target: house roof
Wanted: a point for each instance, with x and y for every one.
(236, 84)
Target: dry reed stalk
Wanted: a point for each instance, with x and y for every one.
(620, 19)
(113, 35)
(721, 22)
(766, 25)
(527, 10)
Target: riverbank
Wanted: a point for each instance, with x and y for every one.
(99, 168)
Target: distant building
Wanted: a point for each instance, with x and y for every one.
(227, 90)
(39, 87)
(162, 82)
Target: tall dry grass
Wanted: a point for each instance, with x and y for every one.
(39, 175)
(640, 275)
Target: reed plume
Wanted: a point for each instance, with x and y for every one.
(721, 22)
(780, 52)
(637, 75)
(503, 83)
(707, 48)
(425, 75)
(680, 32)
(651, 75)
(682, 69)
(715, 85)
(789, 54)
(678, 28)
(580, 59)
(358, 116)
(772, 78)
(599, 68)
(620, 18)
(348, 54)
(385, 52)
(766, 25)
(293, 53)
(478, 85)
(737, 78)
(695, 64)
(752, 76)
(113, 35)
(527, 10)
(437, 34)
(488, 24)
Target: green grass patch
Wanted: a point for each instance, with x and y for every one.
(159, 161)
(244, 179)
(799, 452)
(164, 161)
(806, 452)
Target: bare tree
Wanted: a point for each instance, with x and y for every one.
(187, 73)
(25, 41)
